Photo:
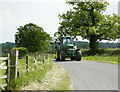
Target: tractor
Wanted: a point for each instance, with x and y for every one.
(66, 47)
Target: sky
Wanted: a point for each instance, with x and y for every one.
(44, 13)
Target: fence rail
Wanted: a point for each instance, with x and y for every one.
(5, 60)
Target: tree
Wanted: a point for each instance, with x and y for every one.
(32, 37)
(86, 19)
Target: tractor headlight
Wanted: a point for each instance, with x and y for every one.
(75, 47)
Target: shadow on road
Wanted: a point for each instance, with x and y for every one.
(67, 60)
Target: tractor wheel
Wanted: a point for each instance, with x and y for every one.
(73, 58)
(62, 56)
(78, 57)
(57, 55)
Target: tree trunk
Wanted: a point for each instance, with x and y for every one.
(94, 45)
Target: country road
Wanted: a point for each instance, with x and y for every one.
(87, 75)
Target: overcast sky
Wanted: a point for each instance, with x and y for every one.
(44, 13)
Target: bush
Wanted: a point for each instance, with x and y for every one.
(103, 52)
(85, 52)
(22, 51)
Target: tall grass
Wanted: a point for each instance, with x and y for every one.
(35, 74)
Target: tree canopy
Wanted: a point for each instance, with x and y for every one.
(86, 19)
(33, 37)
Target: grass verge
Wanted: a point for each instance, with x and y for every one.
(103, 59)
(56, 79)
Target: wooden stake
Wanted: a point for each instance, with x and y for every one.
(13, 65)
(27, 63)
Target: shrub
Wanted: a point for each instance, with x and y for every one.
(103, 52)
(22, 51)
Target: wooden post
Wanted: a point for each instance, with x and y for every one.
(43, 59)
(27, 62)
(36, 55)
(7, 70)
(46, 56)
(13, 65)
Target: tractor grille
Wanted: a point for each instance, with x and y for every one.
(70, 47)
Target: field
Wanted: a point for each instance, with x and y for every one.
(104, 55)
(103, 59)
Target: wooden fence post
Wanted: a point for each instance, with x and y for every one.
(27, 63)
(7, 70)
(43, 59)
(46, 56)
(13, 65)
(36, 55)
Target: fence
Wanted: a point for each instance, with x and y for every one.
(11, 68)
(2, 67)
(44, 57)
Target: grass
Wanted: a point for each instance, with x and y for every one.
(56, 79)
(65, 82)
(35, 74)
(61, 79)
(2, 72)
(103, 59)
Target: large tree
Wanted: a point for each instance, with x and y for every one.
(32, 37)
(86, 19)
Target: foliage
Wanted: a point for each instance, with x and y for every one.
(22, 51)
(102, 52)
(32, 37)
(6, 47)
(86, 19)
(85, 45)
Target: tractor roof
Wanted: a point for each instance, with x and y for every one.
(66, 36)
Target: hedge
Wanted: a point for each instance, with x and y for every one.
(103, 52)
(22, 51)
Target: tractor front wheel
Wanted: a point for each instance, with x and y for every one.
(73, 58)
(62, 56)
(78, 57)
(57, 55)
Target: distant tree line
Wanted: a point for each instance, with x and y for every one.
(85, 45)
(6, 47)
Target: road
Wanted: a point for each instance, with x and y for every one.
(87, 75)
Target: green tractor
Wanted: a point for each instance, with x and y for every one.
(66, 47)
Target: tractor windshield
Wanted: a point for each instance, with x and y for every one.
(67, 41)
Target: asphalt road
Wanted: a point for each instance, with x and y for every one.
(87, 75)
